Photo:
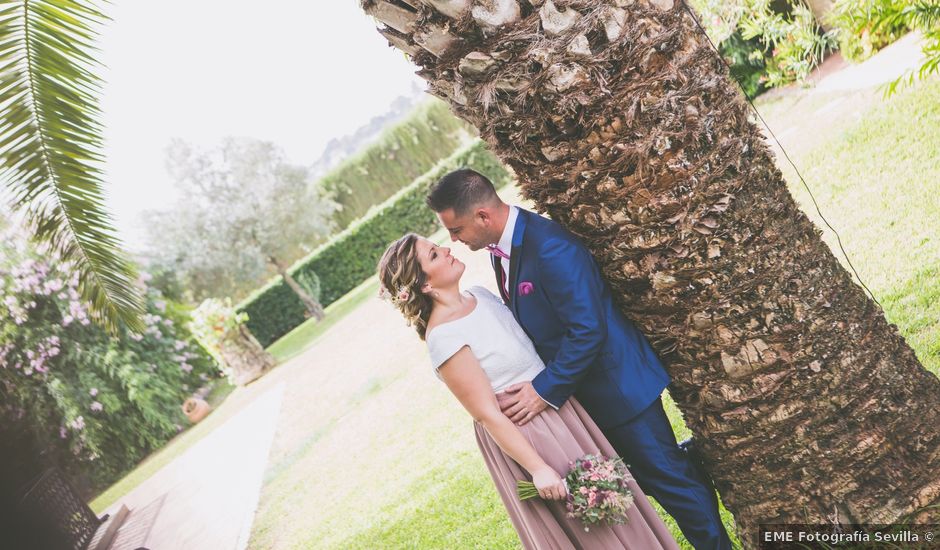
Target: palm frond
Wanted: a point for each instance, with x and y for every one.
(923, 15)
(920, 14)
(50, 142)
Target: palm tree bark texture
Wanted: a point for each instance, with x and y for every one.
(623, 125)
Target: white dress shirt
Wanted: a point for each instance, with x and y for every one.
(505, 243)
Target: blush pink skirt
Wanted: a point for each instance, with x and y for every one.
(560, 437)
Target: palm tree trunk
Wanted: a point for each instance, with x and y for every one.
(623, 125)
(313, 307)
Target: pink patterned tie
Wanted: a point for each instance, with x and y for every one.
(500, 272)
(496, 251)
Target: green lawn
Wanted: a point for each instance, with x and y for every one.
(296, 341)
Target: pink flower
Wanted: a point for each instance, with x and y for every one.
(403, 294)
(93, 392)
(526, 288)
(96, 406)
(78, 423)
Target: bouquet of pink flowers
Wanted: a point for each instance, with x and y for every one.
(597, 490)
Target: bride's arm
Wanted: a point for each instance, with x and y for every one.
(467, 381)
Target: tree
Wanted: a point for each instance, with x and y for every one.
(242, 209)
(50, 140)
(622, 123)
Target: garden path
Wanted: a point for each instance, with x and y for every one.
(838, 93)
(207, 497)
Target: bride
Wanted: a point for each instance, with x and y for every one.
(478, 349)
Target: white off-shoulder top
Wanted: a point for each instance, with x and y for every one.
(505, 353)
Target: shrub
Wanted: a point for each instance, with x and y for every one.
(401, 154)
(855, 25)
(746, 59)
(781, 39)
(209, 325)
(93, 403)
(923, 16)
(350, 258)
(220, 330)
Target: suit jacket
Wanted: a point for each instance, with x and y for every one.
(590, 349)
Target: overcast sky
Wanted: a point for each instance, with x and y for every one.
(296, 73)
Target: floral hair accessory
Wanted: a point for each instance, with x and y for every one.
(401, 296)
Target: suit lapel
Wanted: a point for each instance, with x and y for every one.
(515, 258)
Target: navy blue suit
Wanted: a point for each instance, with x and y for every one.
(592, 351)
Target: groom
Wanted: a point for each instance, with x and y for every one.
(555, 291)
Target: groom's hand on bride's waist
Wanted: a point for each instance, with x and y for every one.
(521, 403)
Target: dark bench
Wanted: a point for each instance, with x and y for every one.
(56, 518)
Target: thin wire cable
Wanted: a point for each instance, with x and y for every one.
(754, 108)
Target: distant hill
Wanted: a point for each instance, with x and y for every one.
(402, 151)
(338, 149)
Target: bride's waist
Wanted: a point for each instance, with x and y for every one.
(501, 388)
(500, 379)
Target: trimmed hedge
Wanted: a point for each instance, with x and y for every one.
(402, 153)
(350, 257)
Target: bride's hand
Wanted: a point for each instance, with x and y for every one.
(549, 484)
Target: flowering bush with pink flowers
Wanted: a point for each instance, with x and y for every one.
(92, 403)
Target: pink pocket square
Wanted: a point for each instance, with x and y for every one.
(525, 288)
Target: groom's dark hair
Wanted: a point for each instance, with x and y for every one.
(461, 190)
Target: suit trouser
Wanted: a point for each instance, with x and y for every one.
(664, 471)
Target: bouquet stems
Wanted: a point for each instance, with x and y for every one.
(526, 490)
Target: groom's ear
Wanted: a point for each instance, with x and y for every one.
(483, 215)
